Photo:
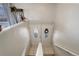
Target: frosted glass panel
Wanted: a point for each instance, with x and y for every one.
(2, 12)
(35, 33)
(4, 18)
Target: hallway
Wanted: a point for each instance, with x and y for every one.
(26, 29)
(28, 47)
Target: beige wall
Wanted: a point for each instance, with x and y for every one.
(15, 40)
(67, 27)
(38, 12)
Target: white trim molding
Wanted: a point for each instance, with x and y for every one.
(67, 50)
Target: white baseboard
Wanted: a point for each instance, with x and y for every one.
(67, 50)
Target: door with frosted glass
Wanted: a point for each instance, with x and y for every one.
(47, 34)
(41, 33)
(35, 33)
